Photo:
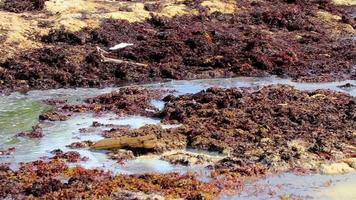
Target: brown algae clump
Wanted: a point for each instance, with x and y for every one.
(277, 126)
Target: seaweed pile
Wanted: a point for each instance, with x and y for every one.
(126, 101)
(19, 6)
(305, 40)
(277, 126)
(54, 180)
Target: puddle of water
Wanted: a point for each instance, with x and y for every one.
(149, 164)
(158, 104)
(314, 186)
(59, 134)
(193, 86)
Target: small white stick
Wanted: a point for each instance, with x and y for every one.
(120, 46)
(113, 60)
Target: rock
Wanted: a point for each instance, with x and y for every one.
(128, 195)
(335, 168)
(188, 158)
(347, 85)
(81, 144)
(120, 155)
(167, 139)
(148, 142)
(351, 162)
(277, 126)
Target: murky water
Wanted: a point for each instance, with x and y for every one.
(313, 186)
(19, 112)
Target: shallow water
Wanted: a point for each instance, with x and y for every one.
(18, 112)
(313, 186)
(59, 134)
(193, 86)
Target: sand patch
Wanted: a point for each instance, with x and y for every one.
(344, 2)
(226, 6)
(70, 6)
(334, 23)
(138, 13)
(176, 10)
(16, 32)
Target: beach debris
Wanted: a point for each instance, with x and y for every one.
(120, 46)
(115, 60)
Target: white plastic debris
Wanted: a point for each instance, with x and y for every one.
(120, 46)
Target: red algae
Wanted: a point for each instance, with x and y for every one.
(19, 6)
(8, 151)
(45, 180)
(70, 156)
(277, 126)
(36, 132)
(53, 116)
(126, 101)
